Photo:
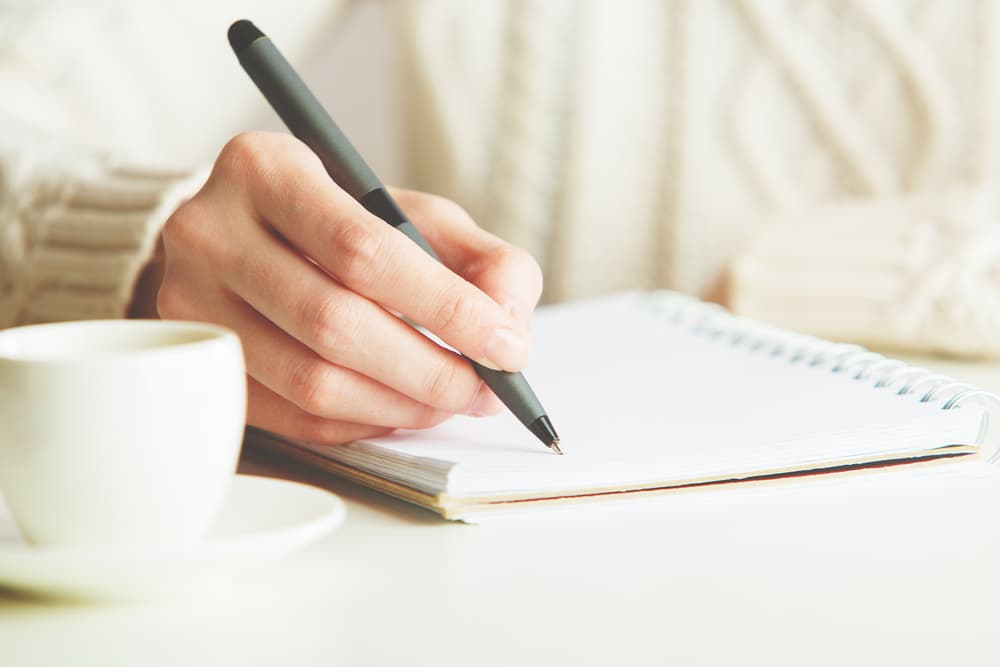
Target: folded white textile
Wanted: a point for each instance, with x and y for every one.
(919, 273)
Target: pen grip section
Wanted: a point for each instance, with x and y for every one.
(513, 391)
(380, 203)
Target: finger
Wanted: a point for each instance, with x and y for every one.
(372, 258)
(351, 331)
(292, 370)
(267, 410)
(510, 275)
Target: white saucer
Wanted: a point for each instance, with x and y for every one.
(261, 520)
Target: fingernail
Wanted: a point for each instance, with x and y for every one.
(485, 404)
(506, 350)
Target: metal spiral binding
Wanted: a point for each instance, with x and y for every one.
(880, 372)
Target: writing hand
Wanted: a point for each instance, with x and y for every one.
(272, 248)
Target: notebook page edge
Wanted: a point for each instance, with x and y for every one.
(954, 428)
(464, 508)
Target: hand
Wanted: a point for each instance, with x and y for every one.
(272, 248)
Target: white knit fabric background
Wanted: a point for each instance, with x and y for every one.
(690, 122)
(926, 278)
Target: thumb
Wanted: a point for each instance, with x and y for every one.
(508, 274)
(512, 278)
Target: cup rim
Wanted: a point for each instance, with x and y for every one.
(214, 333)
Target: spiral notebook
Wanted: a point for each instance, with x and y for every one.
(653, 392)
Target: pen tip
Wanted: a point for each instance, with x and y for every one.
(544, 431)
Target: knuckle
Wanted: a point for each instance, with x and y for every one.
(524, 261)
(442, 388)
(245, 157)
(185, 229)
(312, 386)
(517, 260)
(267, 163)
(358, 250)
(528, 267)
(511, 261)
(192, 232)
(330, 324)
(457, 309)
(242, 149)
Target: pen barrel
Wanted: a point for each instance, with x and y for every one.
(309, 121)
(306, 117)
(378, 202)
(513, 391)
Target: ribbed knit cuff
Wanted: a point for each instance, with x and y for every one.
(918, 273)
(86, 240)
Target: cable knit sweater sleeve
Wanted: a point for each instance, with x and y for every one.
(915, 272)
(75, 235)
(89, 89)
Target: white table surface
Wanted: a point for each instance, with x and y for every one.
(886, 571)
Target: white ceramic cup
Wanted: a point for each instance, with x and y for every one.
(119, 433)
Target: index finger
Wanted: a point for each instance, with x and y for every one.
(377, 261)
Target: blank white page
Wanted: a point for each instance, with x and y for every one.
(640, 395)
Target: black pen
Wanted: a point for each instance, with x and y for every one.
(309, 121)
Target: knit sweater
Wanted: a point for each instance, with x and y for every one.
(625, 143)
(107, 127)
(74, 244)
